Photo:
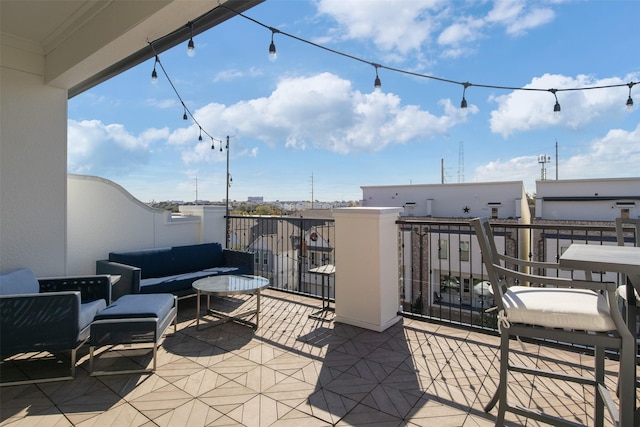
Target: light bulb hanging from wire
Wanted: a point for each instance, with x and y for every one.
(154, 73)
(556, 107)
(630, 100)
(463, 103)
(191, 47)
(184, 116)
(200, 137)
(272, 47)
(377, 84)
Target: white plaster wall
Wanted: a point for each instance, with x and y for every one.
(212, 226)
(104, 217)
(33, 163)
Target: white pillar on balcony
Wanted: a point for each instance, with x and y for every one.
(213, 222)
(366, 278)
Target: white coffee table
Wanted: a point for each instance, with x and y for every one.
(226, 285)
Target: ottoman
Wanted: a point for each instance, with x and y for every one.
(133, 319)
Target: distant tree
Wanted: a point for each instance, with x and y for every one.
(168, 206)
(531, 199)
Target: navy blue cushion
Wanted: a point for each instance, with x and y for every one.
(21, 281)
(138, 306)
(173, 283)
(154, 262)
(160, 262)
(88, 312)
(196, 257)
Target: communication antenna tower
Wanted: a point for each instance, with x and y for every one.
(543, 159)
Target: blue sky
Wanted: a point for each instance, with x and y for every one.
(315, 113)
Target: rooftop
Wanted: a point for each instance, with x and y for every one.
(298, 371)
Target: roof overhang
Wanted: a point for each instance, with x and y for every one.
(77, 44)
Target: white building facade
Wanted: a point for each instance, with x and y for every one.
(588, 199)
(463, 200)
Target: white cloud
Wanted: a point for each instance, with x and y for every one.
(96, 148)
(402, 25)
(405, 27)
(615, 155)
(324, 111)
(161, 103)
(463, 31)
(506, 11)
(513, 15)
(532, 19)
(526, 110)
(234, 74)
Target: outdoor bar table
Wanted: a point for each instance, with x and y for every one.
(617, 259)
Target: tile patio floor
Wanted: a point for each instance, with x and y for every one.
(296, 371)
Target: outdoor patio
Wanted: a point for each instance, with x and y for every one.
(296, 371)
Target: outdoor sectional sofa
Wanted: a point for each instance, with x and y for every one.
(172, 269)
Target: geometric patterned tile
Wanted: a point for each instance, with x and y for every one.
(296, 371)
(192, 413)
(228, 397)
(291, 391)
(327, 405)
(120, 414)
(365, 415)
(161, 400)
(200, 382)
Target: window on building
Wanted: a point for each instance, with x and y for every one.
(464, 250)
(265, 258)
(466, 285)
(494, 212)
(312, 258)
(624, 213)
(442, 249)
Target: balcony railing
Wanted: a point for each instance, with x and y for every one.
(441, 266)
(286, 248)
(441, 273)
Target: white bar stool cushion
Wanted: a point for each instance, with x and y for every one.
(565, 308)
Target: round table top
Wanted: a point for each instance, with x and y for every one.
(230, 284)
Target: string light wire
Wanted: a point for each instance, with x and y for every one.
(272, 51)
(465, 84)
(186, 109)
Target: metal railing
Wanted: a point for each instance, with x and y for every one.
(440, 266)
(441, 272)
(285, 248)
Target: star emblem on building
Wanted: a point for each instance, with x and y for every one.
(466, 209)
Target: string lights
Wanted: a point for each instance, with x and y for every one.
(377, 81)
(377, 84)
(187, 113)
(154, 73)
(463, 103)
(191, 47)
(556, 107)
(272, 46)
(465, 85)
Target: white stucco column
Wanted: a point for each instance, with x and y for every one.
(366, 278)
(213, 223)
